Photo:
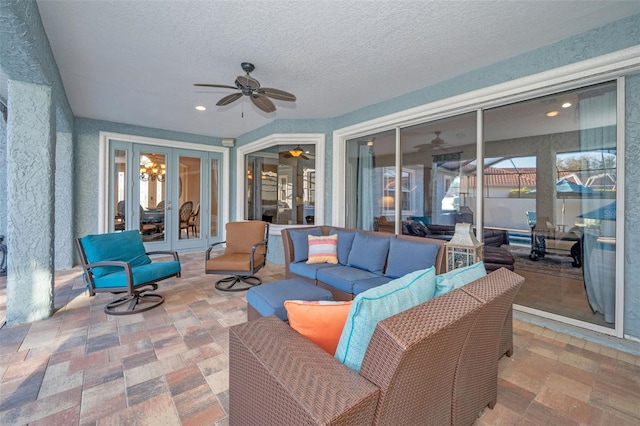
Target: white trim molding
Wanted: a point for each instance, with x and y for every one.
(103, 173)
(317, 139)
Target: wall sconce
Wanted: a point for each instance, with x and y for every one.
(463, 249)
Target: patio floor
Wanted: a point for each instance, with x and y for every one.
(170, 365)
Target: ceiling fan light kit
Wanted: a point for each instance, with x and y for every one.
(250, 87)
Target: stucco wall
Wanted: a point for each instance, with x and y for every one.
(3, 177)
(632, 209)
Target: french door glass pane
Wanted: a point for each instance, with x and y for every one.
(189, 197)
(214, 196)
(119, 189)
(153, 175)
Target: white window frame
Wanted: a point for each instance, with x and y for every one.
(317, 139)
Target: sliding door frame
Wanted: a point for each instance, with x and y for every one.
(613, 66)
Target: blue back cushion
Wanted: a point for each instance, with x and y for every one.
(377, 304)
(459, 277)
(407, 256)
(345, 241)
(120, 246)
(368, 252)
(300, 240)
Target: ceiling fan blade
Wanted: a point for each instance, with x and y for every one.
(262, 102)
(247, 81)
(229, 98)
(278, 94)
(222, 86)
(304, 157)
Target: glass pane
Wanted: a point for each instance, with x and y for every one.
(370, 182)
(214, 198)
(552, 185)
(119, 189)
(152, 196)
(281, 185)
(439, 172)
(189, 194)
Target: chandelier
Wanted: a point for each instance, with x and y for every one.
(151, 170)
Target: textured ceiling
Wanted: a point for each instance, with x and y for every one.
(136, 61)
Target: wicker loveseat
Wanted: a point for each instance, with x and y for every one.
(434, 364)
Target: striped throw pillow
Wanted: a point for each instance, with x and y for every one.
(323, 249)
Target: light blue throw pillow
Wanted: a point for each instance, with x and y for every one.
(377, 304)
(459, 277)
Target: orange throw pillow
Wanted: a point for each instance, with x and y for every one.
(319, 321)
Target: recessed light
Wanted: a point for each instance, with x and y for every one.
(552, 113)
(201, 108)
(566, 105)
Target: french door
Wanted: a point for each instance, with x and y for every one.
(170, 195)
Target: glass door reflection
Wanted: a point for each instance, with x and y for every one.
(153, 174)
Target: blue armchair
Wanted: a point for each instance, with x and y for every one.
(118, 263)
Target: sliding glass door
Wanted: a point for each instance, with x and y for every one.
(546, 186)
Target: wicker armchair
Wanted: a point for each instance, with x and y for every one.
(435, 364)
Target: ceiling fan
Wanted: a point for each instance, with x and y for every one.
(296, 152)
(435, 143)
(249, 86)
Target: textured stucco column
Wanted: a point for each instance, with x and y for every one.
(64, 201)
(3, 176)
(30, 190)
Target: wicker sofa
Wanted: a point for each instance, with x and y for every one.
(436, 363)
(290, 257)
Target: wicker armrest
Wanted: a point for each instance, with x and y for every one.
(278, 377)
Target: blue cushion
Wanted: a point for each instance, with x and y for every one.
(369, 252)
(309, 270)
(141, 274)
(407, 256)
(364, 285)
(377, 304)
(268, 299)
(343, 277)
(300, 240)
(345, 241)
(459, 277)
(120, 246)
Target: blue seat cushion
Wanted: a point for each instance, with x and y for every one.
(268, 299)
(300, 240)
(406, 256)
(141, 274)
(364, 285)
(119, 246)
(344, 277)
(369, 252)
(345, 241)
(309, 270)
